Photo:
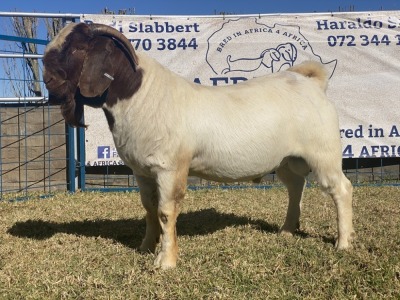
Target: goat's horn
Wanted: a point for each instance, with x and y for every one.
(101, 29)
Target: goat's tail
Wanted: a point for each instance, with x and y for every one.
(313, 69)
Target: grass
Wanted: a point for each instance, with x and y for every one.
(83, 246)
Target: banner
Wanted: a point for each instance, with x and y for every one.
(359, 50)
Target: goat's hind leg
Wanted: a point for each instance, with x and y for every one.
(293, 174)
(334, 182)
(341, 190)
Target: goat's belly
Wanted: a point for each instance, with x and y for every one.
(234, 169)
(222, 177)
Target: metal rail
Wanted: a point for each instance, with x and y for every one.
(21, 99)
(21, 55)
(77, 16)
(39, 15)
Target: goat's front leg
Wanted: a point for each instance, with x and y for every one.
(171, 189)
(149, 197)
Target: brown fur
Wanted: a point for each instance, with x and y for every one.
(75, 68)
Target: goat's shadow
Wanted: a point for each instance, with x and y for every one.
(129, 232)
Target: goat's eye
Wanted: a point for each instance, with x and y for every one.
(62, 73)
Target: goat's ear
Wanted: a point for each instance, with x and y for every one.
(98, 69)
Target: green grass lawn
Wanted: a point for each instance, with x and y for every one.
(84, 246)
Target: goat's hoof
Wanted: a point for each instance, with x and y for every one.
(288, 230)
(148, 247)
(164, 261)
(285, 232)
(345, 243)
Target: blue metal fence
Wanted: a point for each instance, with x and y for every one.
(35, 148)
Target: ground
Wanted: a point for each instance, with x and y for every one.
(84, 246)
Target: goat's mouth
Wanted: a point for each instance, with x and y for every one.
(54, 100)
(48, 81)
(58, 93)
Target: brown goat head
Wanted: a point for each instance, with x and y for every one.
(78, 67)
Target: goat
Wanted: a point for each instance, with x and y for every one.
(166, 128)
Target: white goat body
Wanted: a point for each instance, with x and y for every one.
(170, 128)
(231, 133)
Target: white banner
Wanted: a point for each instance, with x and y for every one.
(360, 51)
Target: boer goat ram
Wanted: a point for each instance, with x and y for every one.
(166, 128)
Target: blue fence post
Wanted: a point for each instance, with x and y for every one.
(71, 164)
(81, 158)
(1, 160)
